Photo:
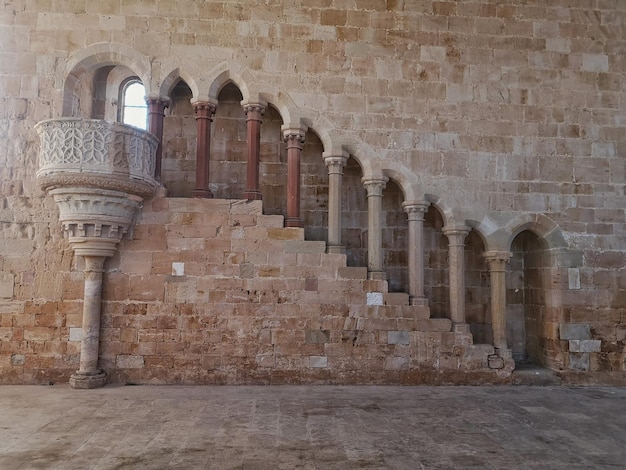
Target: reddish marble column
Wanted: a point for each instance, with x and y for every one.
(204, 116)
(156, 113)
(254, 118)
(295, 141)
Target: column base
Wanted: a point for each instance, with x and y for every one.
(253, 195)
(461, 328)
(504, 353)
(202, 193)
(81, 380)
(418, 301)
(294, 222)
(337, 249)
(377, 275)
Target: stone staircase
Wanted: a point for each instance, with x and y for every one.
(214, 291)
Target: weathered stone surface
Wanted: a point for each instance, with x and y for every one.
(574, 331)
(505, 122)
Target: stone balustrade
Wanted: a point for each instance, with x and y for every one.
(96, 153)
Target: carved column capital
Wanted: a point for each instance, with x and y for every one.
(497, 259)
(456, 234)
(204, 110)
(335, 164)
(254, 111)
(375, 186)
(158, 100)
(415, 210)
(294, 138)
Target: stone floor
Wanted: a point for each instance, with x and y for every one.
(312, 427)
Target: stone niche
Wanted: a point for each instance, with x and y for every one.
(98, 173)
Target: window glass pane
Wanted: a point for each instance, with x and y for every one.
(135, 111)
(134, 95)
(135, 117)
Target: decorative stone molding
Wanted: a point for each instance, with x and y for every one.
(97, 154)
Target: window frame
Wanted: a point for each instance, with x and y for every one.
(122, 106)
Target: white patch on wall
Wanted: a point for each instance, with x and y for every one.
(573, 275)
(374, 298)
(178, 269)
(76, 334)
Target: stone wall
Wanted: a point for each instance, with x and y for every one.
(508, 118)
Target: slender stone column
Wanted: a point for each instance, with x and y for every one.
(294, 137)
(375, 227)
(156, 114)
(88, 375)
(204, 116)
(415, 212)
(497, 269)
(254, 118)
(456, 271)
(335, 166)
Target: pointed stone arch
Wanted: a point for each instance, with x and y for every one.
(222, 74)
(172, 78)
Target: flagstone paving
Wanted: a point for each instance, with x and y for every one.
(312, 427)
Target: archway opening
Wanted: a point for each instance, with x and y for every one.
(395, 239)
(477, 290)
(229, 152)
(314, 189)
(436, 277)
(354, 214)
(273, 164)
(179, 143)
(527, 283)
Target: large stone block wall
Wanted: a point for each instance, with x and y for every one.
(494, 112)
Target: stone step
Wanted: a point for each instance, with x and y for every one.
(396, 298)
(531, 374)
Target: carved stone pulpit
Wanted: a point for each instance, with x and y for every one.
(98, 173)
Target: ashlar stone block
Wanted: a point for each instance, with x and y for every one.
(570, 331)
(318, 362)
(398, 337)
(585, 345)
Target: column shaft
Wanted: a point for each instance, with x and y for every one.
(415, 212)
(456, 271)
(335, 166)
(156, 114)
(497, 270)
(295, 142)
(204, 116)
(375, 228)
(88, 375)
(254, 118)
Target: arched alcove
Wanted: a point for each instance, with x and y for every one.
(477, 290)
(273, 164)
(179, 143)
(395, 238)
(227, 167)
(314, 189)
(436, 277)
(354, 214)
(527, 284)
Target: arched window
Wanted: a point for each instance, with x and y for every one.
(134, 107)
